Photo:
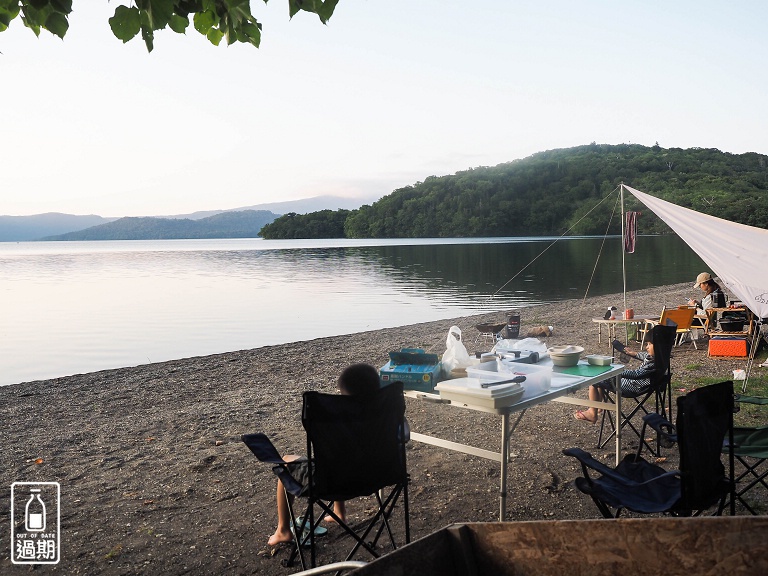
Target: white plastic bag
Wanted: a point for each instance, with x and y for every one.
(455, 355)
(530, 344)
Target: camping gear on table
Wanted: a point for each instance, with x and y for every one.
(565, 355)
(599, 360)
(732, 325)
(455, 358)
(733, 321)
(538, 379)
(527, 350)
(415, 368)
(479, 392)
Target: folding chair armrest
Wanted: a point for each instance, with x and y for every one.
(661, 425)
(588, 461)
(265, 451)
(750, 399)
(262, 448)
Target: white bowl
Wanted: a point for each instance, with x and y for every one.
(565, 355)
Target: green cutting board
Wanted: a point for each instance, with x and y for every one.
(586, 370)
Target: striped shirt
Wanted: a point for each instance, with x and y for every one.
(636, 382)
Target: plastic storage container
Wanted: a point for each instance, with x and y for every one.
(538, 379)
(470, 391)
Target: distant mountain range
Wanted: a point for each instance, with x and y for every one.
(24, 228)
(242, 224)
(54, 225)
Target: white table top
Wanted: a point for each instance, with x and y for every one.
(635, 318)
(578, 383)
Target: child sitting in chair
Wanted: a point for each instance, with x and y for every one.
(632, 381)
(355, 380)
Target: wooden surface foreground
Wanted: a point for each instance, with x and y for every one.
(669, 546)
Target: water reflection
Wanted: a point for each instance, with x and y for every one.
(79, 307)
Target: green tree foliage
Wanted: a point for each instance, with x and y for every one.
(214, 19)
(563, 191)
(322, 224)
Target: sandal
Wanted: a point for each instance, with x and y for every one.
(581, 415)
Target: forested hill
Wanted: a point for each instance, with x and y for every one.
(552, 192)
(242, 224)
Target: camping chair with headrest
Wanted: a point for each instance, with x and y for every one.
(704, 419)
(683, 317)
(750, 449)
(659, 388)
(356, 445)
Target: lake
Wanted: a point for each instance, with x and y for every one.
(75, 307)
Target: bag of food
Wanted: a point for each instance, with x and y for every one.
(455, 355)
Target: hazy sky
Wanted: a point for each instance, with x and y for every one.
(388, 93)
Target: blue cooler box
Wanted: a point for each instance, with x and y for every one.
(416, 369)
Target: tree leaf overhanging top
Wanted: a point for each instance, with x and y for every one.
(214, 19)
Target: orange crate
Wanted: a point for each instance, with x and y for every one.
(736, 347)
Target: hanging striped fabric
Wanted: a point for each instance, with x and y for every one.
(630, 232)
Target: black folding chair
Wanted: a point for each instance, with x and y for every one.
(704, 418)
(660, 389)
(356, 447)
(750, 449)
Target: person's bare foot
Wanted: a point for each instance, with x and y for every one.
(586, 416)
(340, 509)
(280, 536)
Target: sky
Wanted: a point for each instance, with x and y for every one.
(388, 93)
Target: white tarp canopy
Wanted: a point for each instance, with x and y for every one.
(736, 253)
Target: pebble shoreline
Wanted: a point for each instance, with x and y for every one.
(155, 479)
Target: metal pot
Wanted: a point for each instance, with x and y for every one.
(731, 325)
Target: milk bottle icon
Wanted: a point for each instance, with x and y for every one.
(34, 516)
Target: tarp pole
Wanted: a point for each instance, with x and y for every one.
(623, 263)
(756, 335)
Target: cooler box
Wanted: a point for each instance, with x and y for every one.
(728, 346)
(416, 369)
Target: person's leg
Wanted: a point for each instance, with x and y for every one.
(590, 414)
(340, 509)
(283, 531)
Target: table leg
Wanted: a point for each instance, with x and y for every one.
(617, 387)
(504, 466)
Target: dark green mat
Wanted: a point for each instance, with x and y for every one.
(586, 370)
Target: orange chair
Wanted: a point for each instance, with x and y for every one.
(682, 316)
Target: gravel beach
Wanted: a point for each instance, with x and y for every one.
(155, 480)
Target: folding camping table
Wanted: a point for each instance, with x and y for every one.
(556, 394)
(637, 320)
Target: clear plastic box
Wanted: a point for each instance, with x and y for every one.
(538, 379)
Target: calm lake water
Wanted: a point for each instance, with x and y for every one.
(74, 307)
